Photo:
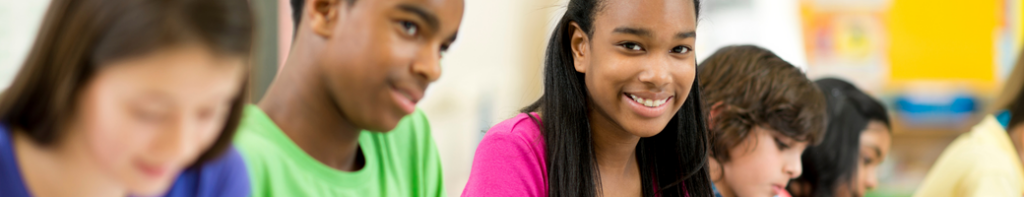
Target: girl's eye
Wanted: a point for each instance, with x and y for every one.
(444, 50)
(409, 28)
(780, 144)
(631, 46)
(206, 114)
(148, 116)
(681, 49)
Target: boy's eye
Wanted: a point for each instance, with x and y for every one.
(780, 144)
(631, 46)
(409, 28)
(681, 49)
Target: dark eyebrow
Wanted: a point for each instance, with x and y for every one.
(635, 31)
(428, 16)
(685, 35)
(647, 33)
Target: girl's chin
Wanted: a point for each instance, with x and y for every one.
(150, 187)
(645, 132)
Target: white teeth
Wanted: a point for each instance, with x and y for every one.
(648, 102)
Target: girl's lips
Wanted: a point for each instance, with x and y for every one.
(153, 171)
(644, 110)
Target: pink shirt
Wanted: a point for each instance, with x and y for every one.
(510, 161)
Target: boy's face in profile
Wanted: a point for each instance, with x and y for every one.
(379, 55)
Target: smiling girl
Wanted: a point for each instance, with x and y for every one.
(620, 115)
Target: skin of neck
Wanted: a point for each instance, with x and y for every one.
(715, 170)
(615, 154)
(300, 103)
(66, 165)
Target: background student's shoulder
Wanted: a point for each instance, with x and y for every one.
(977, 163)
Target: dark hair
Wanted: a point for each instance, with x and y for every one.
(754, 87)
(673, 162)
(835, 160)
(78, 37)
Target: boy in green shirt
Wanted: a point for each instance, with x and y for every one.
(340, 119)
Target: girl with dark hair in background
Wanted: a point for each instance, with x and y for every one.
(857, 140)
(620, 114)
(129, 98)
(764, 112)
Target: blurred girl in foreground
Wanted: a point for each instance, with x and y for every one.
(129, 98)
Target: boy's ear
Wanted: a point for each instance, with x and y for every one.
(716, 109)
(323, 15)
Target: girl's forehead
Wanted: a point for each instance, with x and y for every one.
(662, 12)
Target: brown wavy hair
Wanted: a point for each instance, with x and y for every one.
(78, 37)
(750, 86)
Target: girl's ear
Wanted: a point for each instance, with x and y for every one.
(579, 44)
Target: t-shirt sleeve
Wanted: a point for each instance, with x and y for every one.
(433, 182)
(505, 164)
(990, 182)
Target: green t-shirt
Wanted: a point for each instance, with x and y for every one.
(403, 162)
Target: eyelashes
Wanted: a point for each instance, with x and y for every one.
(781, 145)
(633, 46)
(409, 28)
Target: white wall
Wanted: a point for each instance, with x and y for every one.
(489, 73)
(772, 24)
(19, 22)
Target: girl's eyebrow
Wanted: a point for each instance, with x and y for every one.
(642, 32)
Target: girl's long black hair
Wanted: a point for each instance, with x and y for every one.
(672, 163)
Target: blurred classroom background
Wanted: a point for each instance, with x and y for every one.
(935, 63)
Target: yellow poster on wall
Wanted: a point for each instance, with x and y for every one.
(943, 40)
(897, 41)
